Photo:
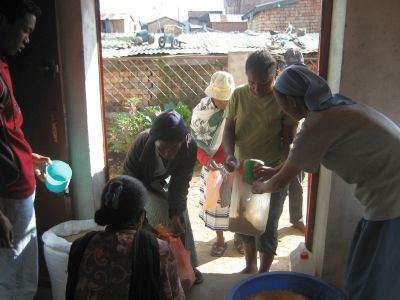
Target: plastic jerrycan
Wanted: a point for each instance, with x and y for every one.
(301, 260)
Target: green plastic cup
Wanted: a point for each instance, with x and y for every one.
(248, 166)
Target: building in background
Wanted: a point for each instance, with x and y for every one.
(240, 7)
(227, 23)
(279, 15)
(202, 18)
(157, 25)
(119, 23)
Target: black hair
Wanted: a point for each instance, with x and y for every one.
(16, 9)
(261, 62)
(122, 202)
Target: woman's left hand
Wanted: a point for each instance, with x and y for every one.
(39, 165)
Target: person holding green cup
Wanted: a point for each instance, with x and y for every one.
(256, 128)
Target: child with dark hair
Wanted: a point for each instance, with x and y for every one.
(124, 261)
(18, 238)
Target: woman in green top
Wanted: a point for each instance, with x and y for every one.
(256, 127)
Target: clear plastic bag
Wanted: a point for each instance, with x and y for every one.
(248, 213)
(213, 185)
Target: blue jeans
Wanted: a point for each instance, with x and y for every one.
(268, 241)
(19, 265)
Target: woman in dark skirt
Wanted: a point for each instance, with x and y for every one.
(362, 146)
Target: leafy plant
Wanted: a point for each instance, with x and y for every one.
(123, 127)
(182, 109)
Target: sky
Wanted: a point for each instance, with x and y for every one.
(149, 10)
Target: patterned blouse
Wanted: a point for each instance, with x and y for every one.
(105, 268)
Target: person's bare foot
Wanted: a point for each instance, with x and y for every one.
(300, 226)
(238, 244)
(249, 270)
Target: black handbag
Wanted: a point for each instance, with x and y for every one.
(9, 165)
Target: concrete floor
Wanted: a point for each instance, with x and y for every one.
(220, 274)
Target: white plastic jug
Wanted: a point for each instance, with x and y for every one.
(248, 212)
(301, 260)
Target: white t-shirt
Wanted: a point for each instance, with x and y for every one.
(362, 146)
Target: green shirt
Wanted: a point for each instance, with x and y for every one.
(258, 125)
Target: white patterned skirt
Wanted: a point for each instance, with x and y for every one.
(215, 219)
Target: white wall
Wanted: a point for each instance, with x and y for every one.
(236, 66)
(81, 89)
(364, 65)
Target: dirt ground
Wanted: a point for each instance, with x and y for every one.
(232, 261)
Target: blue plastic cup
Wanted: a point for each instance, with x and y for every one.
(58, 175)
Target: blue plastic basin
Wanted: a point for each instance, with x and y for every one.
(310, 286)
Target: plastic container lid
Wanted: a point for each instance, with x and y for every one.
(304, 255)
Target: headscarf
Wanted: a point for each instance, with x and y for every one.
(168, 126)
(207, 125)
(297, 80)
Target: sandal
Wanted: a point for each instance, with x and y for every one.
(198, 276)
(217, 250)
(238, 243)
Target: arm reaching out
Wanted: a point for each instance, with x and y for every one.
(278, 181)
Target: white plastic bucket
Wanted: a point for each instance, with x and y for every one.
(56, 251)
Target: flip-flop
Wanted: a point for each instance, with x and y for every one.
(238, 245)
(217, 250)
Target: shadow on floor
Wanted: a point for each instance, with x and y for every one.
(203, 250)
(215, 286)
(284, 231)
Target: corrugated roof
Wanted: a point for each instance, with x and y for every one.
(215, 43)
(267, 5)
(164, 18)
(114, 16)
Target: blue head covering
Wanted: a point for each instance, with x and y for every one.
(297, 80)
